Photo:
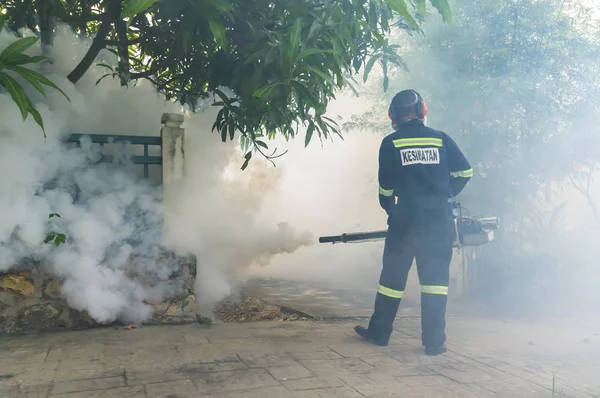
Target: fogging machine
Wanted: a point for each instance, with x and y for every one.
(469, 231)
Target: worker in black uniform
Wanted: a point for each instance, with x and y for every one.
(422, 168)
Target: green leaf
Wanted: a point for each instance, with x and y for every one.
(105, 66)
(134, 7)
(295, 40)
(400, 7)
(188, 26)
(17, 48)
(37, 117)
(443, 8)
(370, 65)
(52, 215)
(265, 91)
(99, 80)
(320, 73)
(33, 75)
(309, 133)
(34, 82)
(314, 30)
(231, 125)
(247, 158)
(49, 238)
(22, 59)
(223, 97)
(218, 31)
(16, 92)
(313, 51)
(60, 239)
(421, 7)
(261, 144)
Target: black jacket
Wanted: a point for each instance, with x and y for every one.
(420, 166)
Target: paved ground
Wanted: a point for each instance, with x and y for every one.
(302, 360)
(322, 300)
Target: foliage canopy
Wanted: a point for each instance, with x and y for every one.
(283, 59)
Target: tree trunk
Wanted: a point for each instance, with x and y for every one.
(85, 13)
(123, 50)
(43, 8)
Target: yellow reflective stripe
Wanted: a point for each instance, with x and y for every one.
(465, 173)
(423, 141)
(386, 192)
(428, 289)
(386, 291)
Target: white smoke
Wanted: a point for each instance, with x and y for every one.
(112, 266)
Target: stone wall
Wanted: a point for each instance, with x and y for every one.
(31, 301)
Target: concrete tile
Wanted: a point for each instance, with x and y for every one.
(386, 365)
(418, 357)
(354, 349)
(62, 387)
(312, 383)
(336, 367)
(265, 392)
(313, 353)
(237, 380)
(19, 356)
(192, 369)
(82, 351)
(376, 385)
(342, 392)
(289, 372)
(224, 332)
(516, 387)
(263, 360)
(206, 353)
(142, 354)
(35, 391)
(179, 388)
(427, 381)
(275, 333)
(69, 370)
(125, 392)
(140, 377)
(10, 392)
(245, 345)
(28, 374)
(458, 391)
(464, 373)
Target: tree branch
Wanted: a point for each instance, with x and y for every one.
(85, 14)
(123, 49)
(90, 56)
(84, 18)
(142, 75)
(120, 42)
(114, 9)
(586, 193)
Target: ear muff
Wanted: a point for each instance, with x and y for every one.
(421, 107)
(391, 113)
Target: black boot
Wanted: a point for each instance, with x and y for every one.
(435, 350)
(370, 336)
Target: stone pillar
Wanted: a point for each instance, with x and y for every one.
(172, 136)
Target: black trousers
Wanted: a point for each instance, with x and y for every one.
(432, 249)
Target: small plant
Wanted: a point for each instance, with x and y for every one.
(57, 238)
(202, 320)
